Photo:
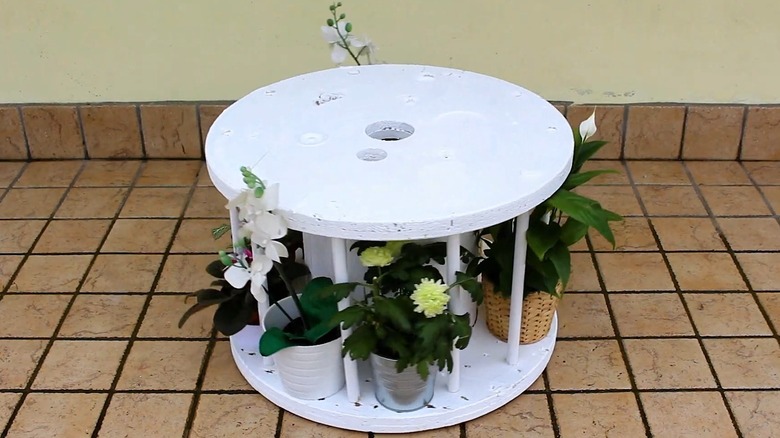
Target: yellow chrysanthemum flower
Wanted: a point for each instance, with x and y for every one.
(376, 256)
(395, 246)
(430, 297)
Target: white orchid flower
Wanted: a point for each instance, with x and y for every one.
(249, 205)
(264, 226)
(364, 45)
(588, 126)
(261, 266)
(237, 276)
(275, 250)
(338, 52)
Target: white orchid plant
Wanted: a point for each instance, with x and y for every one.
(337, 32)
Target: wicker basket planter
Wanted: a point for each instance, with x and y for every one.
(538, 311)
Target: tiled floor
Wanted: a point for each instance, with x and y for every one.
(674, 333)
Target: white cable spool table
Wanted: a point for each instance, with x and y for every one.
(467, 151)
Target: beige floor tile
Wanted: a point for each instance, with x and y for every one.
(620, 199)
(18, 236)
(668, 364)
(655, 314)
(17, 361)
(718, 173)
(731, 314)
(7, 403)
(745, 362)
(122, 273)
(9, 171)
(773, 196)
(598, 415)
(30, 203)
(222, 374)
(751, 234)
(8, 265)
(99, 173)
(631, 234)
(634, 272)
(706, 271)
(207, 202)
(102, 316)
(764, 172)
(91, 202)
(61, 415)
(169, 173)
(734, 200)
(294, 426)
(162, 319)
(49, 174)
(80, 365)
(204, 180)
(446, 432)
(757, 412)
(538, 385)
(194, 235)
(771, 303)
(162, 365)
(137, 415)
(584, 315)
(671, 201)
(185, 273)
(762, 269)
(703, 415)
(587, 365)
(619, 178)
(155, 202)
(140, 235)
(31, 315)
(687, 234)
(51, 273)
(65, 236)
(236, 415)
(525, 416)
(658, 172)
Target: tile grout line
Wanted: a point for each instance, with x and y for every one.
(134, 335)
(743, 130)
(551, 404)
(24, 133)
(623, 353)
(207, 356)
(680, 294)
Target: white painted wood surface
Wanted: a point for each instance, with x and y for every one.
(482, 151)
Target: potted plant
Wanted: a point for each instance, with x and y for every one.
(402, 323)
(558, 223)
(299, 330)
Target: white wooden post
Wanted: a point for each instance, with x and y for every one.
(456, 305)
(518, 283)
(339, 253)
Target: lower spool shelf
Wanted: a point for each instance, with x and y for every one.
(487, 383)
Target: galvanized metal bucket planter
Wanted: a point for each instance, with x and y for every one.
(401, 392)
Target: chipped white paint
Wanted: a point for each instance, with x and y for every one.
(482, 150)
(468, 151)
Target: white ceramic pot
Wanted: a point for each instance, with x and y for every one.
(307, 372)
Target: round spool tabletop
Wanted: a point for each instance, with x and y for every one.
(397, 152)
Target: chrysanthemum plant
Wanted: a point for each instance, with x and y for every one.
(259, 268)
(404, 312)
(558, 223)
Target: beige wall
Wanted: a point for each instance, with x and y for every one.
(611, 51)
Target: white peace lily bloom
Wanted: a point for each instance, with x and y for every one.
(338, 53)
(588, 127)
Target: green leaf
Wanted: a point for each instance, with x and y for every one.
(220, 231)
(573, 231)
(319, 330)
(541, 237)
(216, 269)
(584, 210)
(584, 152)
(351, 316)
(337, 291)
(470, 285)
(395, 311)
(577, 179)
(273, 340)
(232, 315)
(431, 330)
(561, 258)
(315, 306)
(361, 343)
(423, 370)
